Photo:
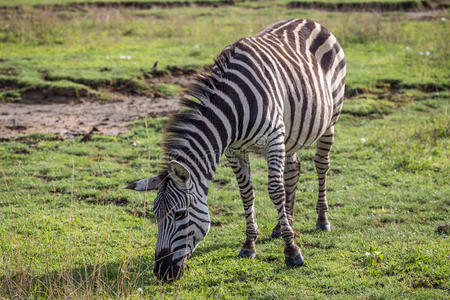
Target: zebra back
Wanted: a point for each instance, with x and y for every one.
(311, 38)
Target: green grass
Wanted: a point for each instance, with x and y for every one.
(67, 229)
(352, 1)
(105, 48)
(168, 89)
(59, 2)
(40, 2)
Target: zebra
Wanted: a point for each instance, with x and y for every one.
(272, 93)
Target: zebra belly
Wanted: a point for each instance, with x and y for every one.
(310, 121)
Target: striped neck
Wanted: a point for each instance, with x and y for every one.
(197, 140)
(207, 124)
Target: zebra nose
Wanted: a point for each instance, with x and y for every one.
(165, 269)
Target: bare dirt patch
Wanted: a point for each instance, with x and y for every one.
(68, 115)
(71, 117)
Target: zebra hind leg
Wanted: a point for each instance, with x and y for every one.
(241, 168)
(322, 162)
(291, 174)
(275, 160)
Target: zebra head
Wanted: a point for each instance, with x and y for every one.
(182, 223)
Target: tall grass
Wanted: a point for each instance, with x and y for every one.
(47, 26)
(80, 44)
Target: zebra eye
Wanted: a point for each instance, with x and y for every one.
(179, 215)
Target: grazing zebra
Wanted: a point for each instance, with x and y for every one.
(272, 93)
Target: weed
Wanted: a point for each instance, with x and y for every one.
(373, 259)
(10, 96)
(167, 89)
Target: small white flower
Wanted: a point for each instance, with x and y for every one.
(363, 140)
(420, 53)
(407, 48)
(128, 57)
(134, 144)
(140, 291)
(196, 46)
(107, 58)
(443, 19)
(123, 57)
(427, 53)
(367, 253)
(377, 252)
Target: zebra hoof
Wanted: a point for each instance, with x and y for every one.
(323, 226)
(275, 234)
(247, 254)
(294, 262)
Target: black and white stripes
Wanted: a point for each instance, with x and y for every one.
(272, 93)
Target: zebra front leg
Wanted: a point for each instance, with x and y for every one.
(241, 167)
(275, 160)
(322, 162)
(291, 174)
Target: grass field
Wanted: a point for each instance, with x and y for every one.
(66, 228)
(68, 231)
(64, 2)
(41, 2)
(103, 48)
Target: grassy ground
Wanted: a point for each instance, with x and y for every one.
(44, 2)
(104, 48)
(67, 230)
(353, 1)
(39, 2)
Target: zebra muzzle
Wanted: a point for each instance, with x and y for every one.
(165, 269)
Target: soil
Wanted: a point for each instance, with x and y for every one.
(71, 117)
(65, 115)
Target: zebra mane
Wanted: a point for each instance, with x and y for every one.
(196, 102)
(206, 83)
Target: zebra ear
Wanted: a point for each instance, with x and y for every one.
(178, 172)
(144, 185)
